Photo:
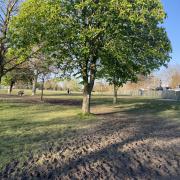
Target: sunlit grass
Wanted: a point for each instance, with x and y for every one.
(25, 127)
(30, 126)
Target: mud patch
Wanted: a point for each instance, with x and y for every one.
(66, 102)
(121, 147)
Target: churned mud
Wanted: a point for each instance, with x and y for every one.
(123, 146)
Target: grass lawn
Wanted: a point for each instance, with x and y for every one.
(29, 126)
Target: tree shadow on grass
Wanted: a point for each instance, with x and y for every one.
(64, 102)
(64, 94)
(122, 147)
(140, 145)
(139, 160)
(27, 128)
(143, 106)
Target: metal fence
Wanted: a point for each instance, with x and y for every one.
(147, 93)
(166, 94)
(171, 94)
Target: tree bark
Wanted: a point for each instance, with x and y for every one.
(89, 74)
(115, 94)
(42, 89)
(86, 100)
(1, 69)
(11, 87)
(86, 105)
(34, 84)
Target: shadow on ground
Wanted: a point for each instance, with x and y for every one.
(133, 143)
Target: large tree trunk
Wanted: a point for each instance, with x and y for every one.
(86, 100)
(88, 79)
(115, 94)
(34, 84)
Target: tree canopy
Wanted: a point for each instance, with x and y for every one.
(10, 57)
(80, 36)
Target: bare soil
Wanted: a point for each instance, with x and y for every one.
(123, 146)
(36, 99)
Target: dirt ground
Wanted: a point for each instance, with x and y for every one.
(36, 99)
(124, 146)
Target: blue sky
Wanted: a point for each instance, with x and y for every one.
(172, 25)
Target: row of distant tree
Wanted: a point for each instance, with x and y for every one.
(20, 81)
(91, 39)
(171, 76)
(52, 84)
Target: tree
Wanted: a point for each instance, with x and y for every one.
(117, 73)
(39, 65)
(9, 80)
(145, 82)
(22, 73)
(7, 10)
(142, 49)
(171, 76)
(9, 57)
(175, 80)
(80, 38)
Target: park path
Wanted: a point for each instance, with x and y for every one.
(123, 146)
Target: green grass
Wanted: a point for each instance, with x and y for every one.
(26, 127)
